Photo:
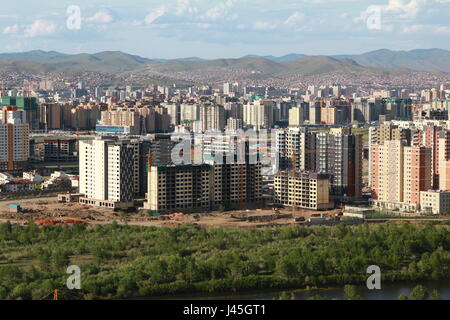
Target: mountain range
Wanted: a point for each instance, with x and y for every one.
(116, 62)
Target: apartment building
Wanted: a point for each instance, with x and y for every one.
(259, 114)
(296, 148)
(154, 151)
(121, 120)
(444, 160)
(399, 173)
(162, 119)
(212, 118)
(428, 136)
(109, 172)
(301, 189)
(60, 150)
(234, 124)
(14, 139)
(366, 110)
(378, 135)
(191, 188)
(435, 202)
(297, 116)
(27, 104)
(339, 154)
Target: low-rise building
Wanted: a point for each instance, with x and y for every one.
(19, 185)
(435, 202)
(33, 176)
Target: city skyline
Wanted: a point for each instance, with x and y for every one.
(229, 28)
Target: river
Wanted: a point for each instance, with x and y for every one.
(389, 291)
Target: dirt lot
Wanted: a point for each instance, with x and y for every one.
(49, 208)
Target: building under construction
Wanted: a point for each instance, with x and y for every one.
(193, 188)
(302, 189)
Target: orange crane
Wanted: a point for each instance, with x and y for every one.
(294, 171)
(56, 293)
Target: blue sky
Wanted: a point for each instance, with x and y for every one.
(224, 28)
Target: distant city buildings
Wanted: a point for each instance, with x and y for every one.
(309, 129)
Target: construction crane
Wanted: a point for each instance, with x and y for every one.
(57, 293)
(294, 172)
(241, 187)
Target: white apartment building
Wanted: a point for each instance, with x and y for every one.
(14, 139)
(435, 202)
(109, 172)
(259, 114)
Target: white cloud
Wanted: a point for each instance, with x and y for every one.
(442, 30)
(40, 28)
(221, 11)
(406, 9)
(185, 7)
(155, 14)
(413, 28)
(14, 29)
(264, 25)
(101, 17)
(204, 25)
(295, 18)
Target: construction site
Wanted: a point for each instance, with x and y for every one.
(48, 211)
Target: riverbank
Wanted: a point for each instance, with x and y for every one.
(389, 291)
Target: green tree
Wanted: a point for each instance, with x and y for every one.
(351, 293)
(286, 296)
(435, 295)
(60, 260)
(419, 293)
(402, 297)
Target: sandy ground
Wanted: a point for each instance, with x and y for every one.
(49, 208)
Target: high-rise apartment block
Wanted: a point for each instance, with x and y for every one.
(295, 148)
(14, 139)
(259, 114)
(399, 172)
(109, 172)
(27, 104)
(339, 154)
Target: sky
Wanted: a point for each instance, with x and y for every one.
(223, 28)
